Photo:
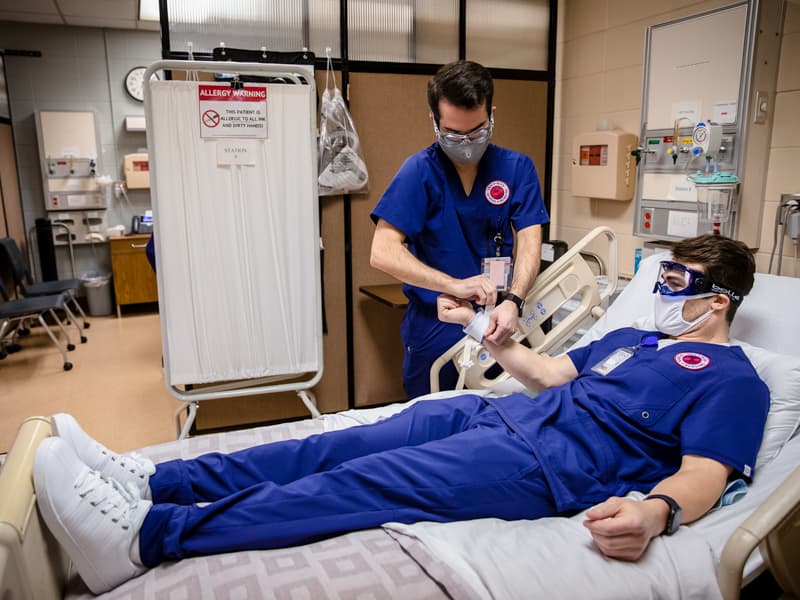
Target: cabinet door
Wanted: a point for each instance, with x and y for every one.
(134, 280)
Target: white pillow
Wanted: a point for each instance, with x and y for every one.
(781, 373)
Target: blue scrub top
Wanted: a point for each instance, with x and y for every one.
(627, 430)
(453, 232)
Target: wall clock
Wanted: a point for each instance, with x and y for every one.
(134, 83)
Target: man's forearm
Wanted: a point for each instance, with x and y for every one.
(397, 261)
(527, 260)
(535, 371)
(696, 487)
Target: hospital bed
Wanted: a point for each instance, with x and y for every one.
(484, 558)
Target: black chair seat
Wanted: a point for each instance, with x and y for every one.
(45, 288)
(25, 286)
(12, 309)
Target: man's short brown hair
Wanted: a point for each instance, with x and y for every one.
(727, 262)
(462, 83)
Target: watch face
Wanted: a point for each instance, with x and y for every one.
(134, 83)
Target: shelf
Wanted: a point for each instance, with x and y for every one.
(390, 294)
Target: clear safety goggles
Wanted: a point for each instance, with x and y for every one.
(477, 136)
(675, 279)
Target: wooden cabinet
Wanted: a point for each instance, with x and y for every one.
(134, 280)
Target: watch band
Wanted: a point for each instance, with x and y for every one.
(674, 516)
(520, 302)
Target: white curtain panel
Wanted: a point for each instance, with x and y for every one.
(237, 244)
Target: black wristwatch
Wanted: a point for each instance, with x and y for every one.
(674, 516)
(520, 302)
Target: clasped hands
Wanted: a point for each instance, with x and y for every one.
(457, 308)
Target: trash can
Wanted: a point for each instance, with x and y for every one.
(98, 293)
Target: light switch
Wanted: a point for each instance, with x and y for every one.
(761, 108)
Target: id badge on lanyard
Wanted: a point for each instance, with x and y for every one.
(498, 268)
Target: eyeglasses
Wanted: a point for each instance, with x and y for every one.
(675, 279)
(478, 136)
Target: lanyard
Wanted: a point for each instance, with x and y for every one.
(498, 237)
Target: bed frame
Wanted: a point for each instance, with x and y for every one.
(568, 279)
(33, 566)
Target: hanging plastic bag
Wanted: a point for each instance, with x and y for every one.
(342, 169)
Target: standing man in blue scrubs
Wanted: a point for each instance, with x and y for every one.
(449, 220)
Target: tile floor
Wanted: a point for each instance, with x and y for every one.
(115, 389)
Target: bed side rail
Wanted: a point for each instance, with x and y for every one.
(32, 566)
(776, 526)
(566, 278)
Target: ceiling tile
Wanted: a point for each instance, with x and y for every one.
(100, 9)
(26, 17)
(30, 6)
(155, 25)
(101, 21)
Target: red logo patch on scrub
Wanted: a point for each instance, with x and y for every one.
(693, 361)
(497, 192)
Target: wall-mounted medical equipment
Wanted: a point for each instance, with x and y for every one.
(603, 164)
(715, 197)
(692, 121)
(137, 170)
(787, 221)
(73, 194)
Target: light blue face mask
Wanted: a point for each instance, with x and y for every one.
(465, 148)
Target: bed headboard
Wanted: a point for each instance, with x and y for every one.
(768, 317)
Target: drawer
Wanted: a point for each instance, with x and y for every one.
(129, 244)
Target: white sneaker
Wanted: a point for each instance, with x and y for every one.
(123, 468)
(95, 519)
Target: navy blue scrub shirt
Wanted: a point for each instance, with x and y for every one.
(603, 435)
(452, 232)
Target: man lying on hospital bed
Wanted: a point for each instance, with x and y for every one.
(675, 412)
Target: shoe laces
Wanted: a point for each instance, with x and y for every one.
(132, 462)
(111, 498)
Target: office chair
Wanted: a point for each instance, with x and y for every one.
(15, 312)
(27, 288)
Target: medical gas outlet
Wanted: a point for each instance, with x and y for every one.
(603, 165)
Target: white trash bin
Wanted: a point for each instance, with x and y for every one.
(98, 293)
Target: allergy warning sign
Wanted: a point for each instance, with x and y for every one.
(232, 113)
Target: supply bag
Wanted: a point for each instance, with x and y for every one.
(341, 162)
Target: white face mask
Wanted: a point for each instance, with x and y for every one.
(669, 314)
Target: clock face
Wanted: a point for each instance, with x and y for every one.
(134, 82)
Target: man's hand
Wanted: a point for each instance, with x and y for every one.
(502, 322)
(479, 289)
(622, 528)
(454, 310)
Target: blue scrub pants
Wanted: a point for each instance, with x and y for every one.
(439, 460)
(426, 338)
